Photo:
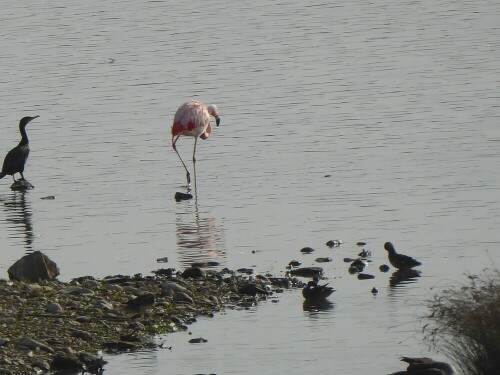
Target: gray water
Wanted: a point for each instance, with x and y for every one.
(351, 120)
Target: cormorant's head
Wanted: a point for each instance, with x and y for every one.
(25, 120)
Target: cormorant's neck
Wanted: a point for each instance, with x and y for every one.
(24, 136)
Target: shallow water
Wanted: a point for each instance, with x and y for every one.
(366, 121)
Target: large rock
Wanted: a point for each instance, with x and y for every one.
(34, 267)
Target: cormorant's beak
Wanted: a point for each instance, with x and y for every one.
(217, 121)
(34, 117)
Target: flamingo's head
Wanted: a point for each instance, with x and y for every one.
(214, 111)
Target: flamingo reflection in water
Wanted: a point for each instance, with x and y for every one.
(198, 239)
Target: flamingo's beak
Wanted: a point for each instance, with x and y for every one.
(217, 121)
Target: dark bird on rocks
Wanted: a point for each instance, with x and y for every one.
(16, 158)
(141, 304)
(425, 366)
(252, 289)
(315, 292)
(400, 261)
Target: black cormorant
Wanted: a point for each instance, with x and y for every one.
(16, 158)
(400, 261)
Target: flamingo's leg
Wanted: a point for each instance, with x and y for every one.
(182, 161)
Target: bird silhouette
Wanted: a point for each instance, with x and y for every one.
(400, 261)
(192, 119)
(425, 366)
(16, 158)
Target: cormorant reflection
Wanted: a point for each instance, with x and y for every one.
(18, 210)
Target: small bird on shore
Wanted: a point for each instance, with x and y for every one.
(141, 304)
(425, 366)
(400, 261)
(16, 158)
(193, 119)
(315, 292)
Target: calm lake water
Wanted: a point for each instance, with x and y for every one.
(362, 121)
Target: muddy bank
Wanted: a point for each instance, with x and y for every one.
(52, 325)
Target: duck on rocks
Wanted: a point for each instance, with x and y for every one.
(400, 261)
(314, 292)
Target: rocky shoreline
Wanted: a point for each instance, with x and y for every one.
(51, 326)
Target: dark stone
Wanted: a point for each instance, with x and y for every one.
(374, 290)
(21, 185)
(182, 196)
(294, 263)
(34, 267)
(307, 271)
(384, 268)
(198, 340)
(193, 272)
(334, 243)
(247, 271)
(365, 254)
(323, 260)
(121, 345)
(252, 289)
(66, 361)
(365, 276)
(162, 260)
(361, 243)
(168, 272)
(307, 250)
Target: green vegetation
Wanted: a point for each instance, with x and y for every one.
(465, 325)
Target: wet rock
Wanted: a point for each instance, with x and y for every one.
(34, 267)
(74, 289)
(294, 263)
(64, 361)
(252, 289)
(93, 364)
(205, 264)
(348, 260)
(84, 335)
(141, 304)
(334, 243)
(359, 264)
(365, 254)
(374, 290)
(198, 340)
(323, 260)
(121, 345)
(246, 271)
(352, 270)
(21, 185)
(49, 197)
(162, 260)
(41, 364)
(361, 243)
(193, 273)
(4, 371)
(183, 297)
(365, 276)
(4, 341)
(307, 250)
(167, 272)
(7, 320)
(307, 271)
(384, 268)
(104, 305)
(54, 308)
(32, 344)
(182, 196)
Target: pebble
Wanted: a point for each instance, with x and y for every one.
(334, 243)
(384, 268)
(324, 260)
(198, 340)
(365, 276)
(374, 290)
(307, 250)
(54, 308)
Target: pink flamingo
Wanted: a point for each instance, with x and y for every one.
(193, 119)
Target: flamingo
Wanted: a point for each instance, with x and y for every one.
(193, 119)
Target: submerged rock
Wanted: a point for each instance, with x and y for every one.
(307, 271)
(21, 185)
(34, 267)
(182, 196)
